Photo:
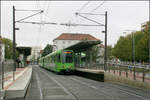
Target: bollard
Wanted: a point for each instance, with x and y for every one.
(134, 73)
(143, 75)
(119, 71)
(127, 73)
(114, 69)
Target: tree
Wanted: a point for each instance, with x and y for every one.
(123, 48)
(48, 49)
(143, 47)
(109, 51)
(8, 48)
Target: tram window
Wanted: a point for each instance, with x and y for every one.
(58, 57)
(68, 58)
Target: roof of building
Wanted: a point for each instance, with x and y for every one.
(73, 36)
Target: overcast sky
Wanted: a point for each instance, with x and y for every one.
(122, 15)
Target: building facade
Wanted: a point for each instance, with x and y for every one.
(67, 39)
(35, 53)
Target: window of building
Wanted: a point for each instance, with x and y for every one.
(63, 42)
(69, 42)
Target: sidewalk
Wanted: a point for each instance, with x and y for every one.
(16, 88)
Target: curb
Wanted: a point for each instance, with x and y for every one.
(2, 95)
(18, 93)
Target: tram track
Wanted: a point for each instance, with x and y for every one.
(129, 92)
(61, 80)
(110, 97)
(59, 84)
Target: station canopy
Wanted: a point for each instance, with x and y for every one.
(24, 50)
(82, 46)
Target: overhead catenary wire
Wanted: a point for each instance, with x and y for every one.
(79, 10)
(97, 6)
(75, 16)
(47, 10)
(83, 6)
(40, 26)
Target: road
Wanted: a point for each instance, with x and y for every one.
(46, 85)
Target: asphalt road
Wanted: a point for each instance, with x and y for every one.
(46, 85)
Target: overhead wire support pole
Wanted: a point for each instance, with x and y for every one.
(92, 14)
(90, 19)
(29, 16)
(69, 24)
(105, 54)
(38, 22)
(14, 43)
(105, 57)
(14, 34)
(26, 10)
(149, 36)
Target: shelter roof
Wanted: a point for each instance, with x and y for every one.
(82, 46)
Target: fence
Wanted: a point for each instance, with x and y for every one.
(138, 73)
(8, 66)
(130, 71)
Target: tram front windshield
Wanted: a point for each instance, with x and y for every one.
(67, 57)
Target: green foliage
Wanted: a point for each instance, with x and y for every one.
(8, 48)
(48, 49)
(95, 52)
(123, 48)
(92, 54)
(109, 51)
(142, 47)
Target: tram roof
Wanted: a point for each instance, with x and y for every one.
(82, 46)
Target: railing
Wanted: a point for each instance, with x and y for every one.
(8, 66)
(5, 67)
(138, 73)
(141, 73)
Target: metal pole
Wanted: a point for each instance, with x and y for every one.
(105, 57)
(149, 36)
(133, 55)
(1, 63)
(14, 43)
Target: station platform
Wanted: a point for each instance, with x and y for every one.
(90, 70)
(91, 73)
(16, 88)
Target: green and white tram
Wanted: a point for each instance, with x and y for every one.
(59, 61)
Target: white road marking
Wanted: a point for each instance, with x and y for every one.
(38, 83)
(133, 94)
(60, 85)
(108, 96)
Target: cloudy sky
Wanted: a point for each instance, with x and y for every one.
(122, 15)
